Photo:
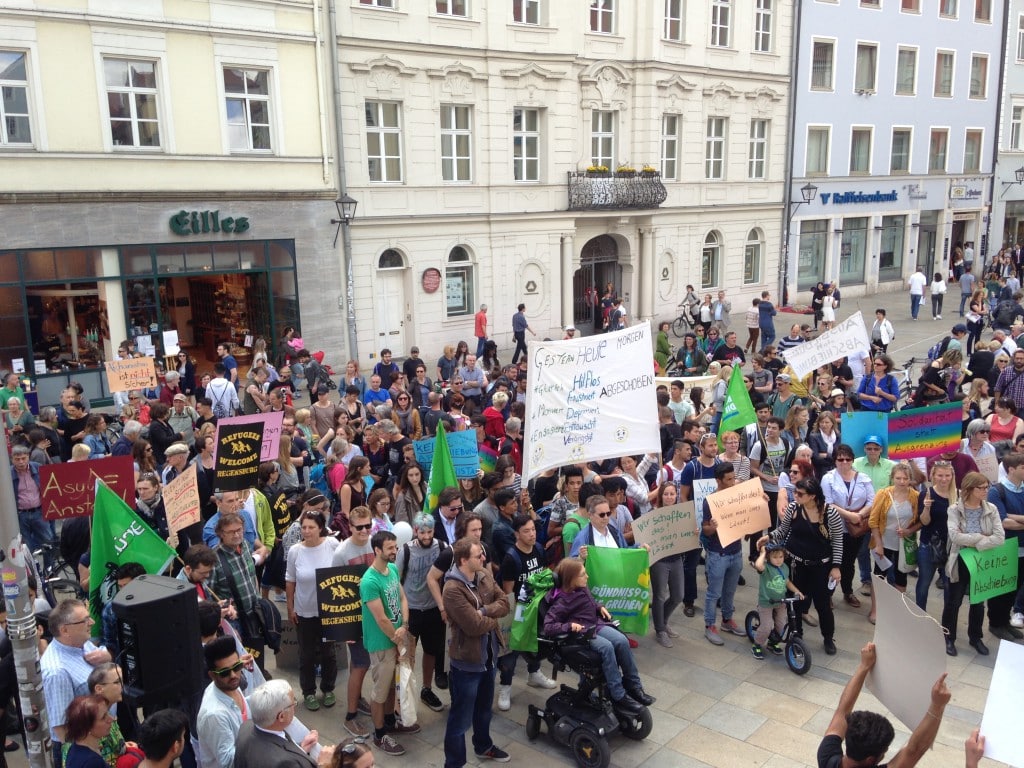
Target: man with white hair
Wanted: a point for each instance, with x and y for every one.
(129, 434)
(262, 741)
(170, 388)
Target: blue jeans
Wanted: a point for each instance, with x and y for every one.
(615, 654)
(480, 341)
(716, 420)
(34, 529)
(915, 304)
(926, 568)
(864, 560)
(723, 576)
(472, 698)
(691, 560)
(963, 300)
(767, 335)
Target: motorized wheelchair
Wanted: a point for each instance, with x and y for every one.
(583, 717)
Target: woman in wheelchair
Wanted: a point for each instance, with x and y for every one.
(572, 609)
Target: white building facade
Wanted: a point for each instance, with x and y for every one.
(1008, 196)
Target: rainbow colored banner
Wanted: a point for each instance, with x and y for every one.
(924, 432)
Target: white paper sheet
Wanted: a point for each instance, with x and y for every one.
(1000, 723)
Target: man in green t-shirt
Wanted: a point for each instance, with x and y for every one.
(385, 618)
(12, 388)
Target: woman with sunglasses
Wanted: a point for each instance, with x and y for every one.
(879, 391)
(852, 494)
(714, 342)
(933, 513)
(352, 493)
(316, 550)
(973, 522)
(811, 529)
(406, 416)
(976, 443)
(798, 470)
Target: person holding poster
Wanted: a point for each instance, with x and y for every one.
(973, 522)
(668, 582)
(724, 564)
(893, 519)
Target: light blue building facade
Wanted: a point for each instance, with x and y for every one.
(1008, 198)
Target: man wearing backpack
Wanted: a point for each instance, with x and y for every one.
(222, 393)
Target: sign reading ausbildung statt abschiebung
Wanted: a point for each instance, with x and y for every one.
(590, 399)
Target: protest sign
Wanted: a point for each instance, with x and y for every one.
(337, 595)
(739, 510)
(993, 571)
(989, 467)
(269, 423)
(701, 490)
(238, 456)
(667, 530)
(133, 373)
(461, 445)
(181, 502)
(68, 490)
(846, 338)
(1000, 722)
(590, 398)
(861, 424)
(924, 432)
(620, 580)
(910, 651)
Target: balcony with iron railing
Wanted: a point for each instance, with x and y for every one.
(604, 190)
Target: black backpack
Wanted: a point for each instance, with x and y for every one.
(1006, 313)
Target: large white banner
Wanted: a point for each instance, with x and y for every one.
(590, 398)
(846, 338)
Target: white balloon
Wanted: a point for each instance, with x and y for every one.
(403, 532)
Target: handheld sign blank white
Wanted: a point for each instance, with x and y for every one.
(1000, 723)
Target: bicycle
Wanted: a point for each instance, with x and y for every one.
(798, 657)
(58, 580)
(684, 323)
(905, 377)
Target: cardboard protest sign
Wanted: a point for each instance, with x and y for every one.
(993, 571)
(620, 580)
(462, 447)
(270, 423)
(923, 432)
(843, 340)
(861, 424)
(910, 650)
(69, 490)
(238, 456)
(989, 467)
(337, 595)
(667, 530)
(133, 373)
(1000, 722)
(702, 488)
(590, 398)
(181, 502)
(739, 510)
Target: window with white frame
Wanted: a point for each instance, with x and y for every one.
(378, 3)
(456, 143)
(752, 257)
(821, 65)
(983, 10)
(452, 7)
(972, 150)
(870, 3)
(526, 11)
(816, 162)
(860, 150)
(711, 259)
(948, 8)
(602, 16)
(721, 20)
(866, 67)
(458, 283)
(1016, 135)
(1020, 38)
(602, 139)
(899, 150)
(757, 159)
(247, 99)
(938, 145)
(906, 72)
(132, 102)
(674, 20)
(670, 146)
(384, 140)
(944, 63)
(910, 6)
(526, 144)
(714, 149)
(764, 17)
(15, 125)
(979, 76)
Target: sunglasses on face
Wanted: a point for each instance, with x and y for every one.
(603, 514)
(225, 671)
(843, 460)
(366, 527)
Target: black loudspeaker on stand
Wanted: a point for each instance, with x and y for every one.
(162, 652)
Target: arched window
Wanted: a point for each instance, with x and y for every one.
(458, 283)
(391, 259)
(752, 257)
(711, 260)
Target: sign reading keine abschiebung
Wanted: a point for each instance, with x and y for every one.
(591, 398)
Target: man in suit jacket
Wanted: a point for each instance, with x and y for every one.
(449, 505)
(262, 740)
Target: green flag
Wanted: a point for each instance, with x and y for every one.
(442, 470)
(119, 536)
(737, 411)
(620, 580)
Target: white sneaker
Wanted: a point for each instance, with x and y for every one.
(539, 680)
(504, 697)
(1017, 619)
(940, 317)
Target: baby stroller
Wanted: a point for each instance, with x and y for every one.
(582, 717)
